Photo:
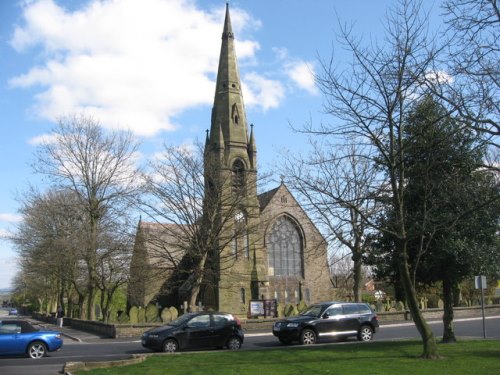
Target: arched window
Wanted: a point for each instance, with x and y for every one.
(284, 247)
(238, 172)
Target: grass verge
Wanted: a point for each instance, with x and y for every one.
(395, 357)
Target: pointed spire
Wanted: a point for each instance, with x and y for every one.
(228, 30)
(229, 109)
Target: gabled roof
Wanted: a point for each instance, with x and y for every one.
(266, 197)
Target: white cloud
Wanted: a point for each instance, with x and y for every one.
(302, 74)
(43, 139)
(10, 218)
(261, 91)
(131, 64)
(439, 76)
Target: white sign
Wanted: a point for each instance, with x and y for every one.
(480, 281)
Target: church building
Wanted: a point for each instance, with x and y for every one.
(278, 253)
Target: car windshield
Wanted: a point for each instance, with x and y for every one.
(314, 310)
(180, 320)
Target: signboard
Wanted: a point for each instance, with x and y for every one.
(480, 282)
(256, 308)
(270, 308)
(267, 308)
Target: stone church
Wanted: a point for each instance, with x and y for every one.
(280, 256)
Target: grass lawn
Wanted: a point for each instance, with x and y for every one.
(395, 357)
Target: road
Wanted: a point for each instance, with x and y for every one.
(114, 349)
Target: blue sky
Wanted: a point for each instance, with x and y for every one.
(150, 65)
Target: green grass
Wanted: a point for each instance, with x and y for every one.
(401, 357)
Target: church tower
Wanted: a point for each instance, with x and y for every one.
(231, 191)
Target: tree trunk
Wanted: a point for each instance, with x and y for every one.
(195, 290)
(90, 302)
(356, 257)
(81, 303)
(430, 346)
(448, 330)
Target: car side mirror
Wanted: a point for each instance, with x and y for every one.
(326, 315)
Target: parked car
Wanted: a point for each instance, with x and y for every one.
(328, 319)
(196, 331)
(18, 337)
(13, 311)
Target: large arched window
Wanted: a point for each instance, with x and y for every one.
(238, 174)
(284, 248)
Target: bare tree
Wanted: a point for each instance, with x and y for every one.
(472, 86)
(100, 169)
(336, 185)
(371, 100)
(44, 240)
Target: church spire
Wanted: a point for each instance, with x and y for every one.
(229, 108)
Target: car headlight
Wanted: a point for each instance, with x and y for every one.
(292, 325)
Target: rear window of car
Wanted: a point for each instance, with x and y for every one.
(200, 321)
(221, 320)
(357, 308)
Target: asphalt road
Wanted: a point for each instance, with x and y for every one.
(114, 349)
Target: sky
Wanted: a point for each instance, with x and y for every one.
(149, 66)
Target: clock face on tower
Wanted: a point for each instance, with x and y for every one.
(239, 217)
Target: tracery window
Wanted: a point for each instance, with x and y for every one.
(284, 244)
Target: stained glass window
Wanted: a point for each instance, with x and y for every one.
(285, 248)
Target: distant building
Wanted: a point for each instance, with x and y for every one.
(281, 256)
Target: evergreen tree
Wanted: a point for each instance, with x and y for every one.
(452, 210)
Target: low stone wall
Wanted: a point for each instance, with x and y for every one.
(110, 330)
(134, 330)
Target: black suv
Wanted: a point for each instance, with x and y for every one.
(196, 331)
(328, 319)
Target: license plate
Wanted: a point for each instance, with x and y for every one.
(277, 328)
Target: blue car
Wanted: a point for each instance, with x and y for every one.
(13, 311)
(18, 337)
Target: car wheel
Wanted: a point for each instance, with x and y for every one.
(36, 350)
(234, 343)
(285, 341)
(307, 337)
(365, 333)
(170, 346)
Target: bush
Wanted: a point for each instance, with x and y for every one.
(301, 307)
(291, 310)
